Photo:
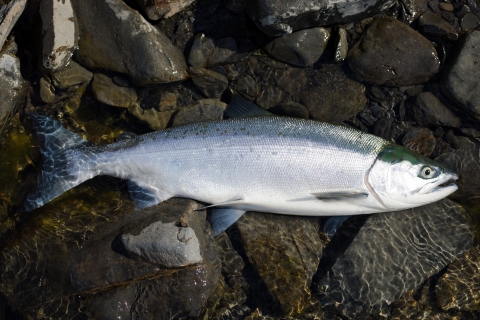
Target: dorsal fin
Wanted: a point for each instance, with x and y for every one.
(239, 107)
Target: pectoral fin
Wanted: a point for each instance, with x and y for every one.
(332, 225)
(340, 195)
(222, 218)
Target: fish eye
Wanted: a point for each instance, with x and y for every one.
(427, 172)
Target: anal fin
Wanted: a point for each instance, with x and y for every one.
(222, 218)
(332, 225)
(144, 196)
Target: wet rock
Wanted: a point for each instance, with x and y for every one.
(225, 49)
(201, 50)
(460, 79)
(248, 87)
(341, 48)
(269, 97)
(392, 254)
(71, 75)
(335, 101)
(9, 14)
(428, 111)
(47, 91)
(13, 86)
(203, 110)
(59, 33)
(464, 161)
(436, 27)
(133, 47)
(105, 91)
(459, 287)
(420, 140)
(302, 48)
(383, 127)
(469, 21)
(392, 54)
(280, 17)
(290, 79)
(210, 83)
(156, 120)
(285, 251)
(291, 109)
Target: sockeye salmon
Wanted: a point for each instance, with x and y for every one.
(269, 164)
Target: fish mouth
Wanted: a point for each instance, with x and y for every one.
(445, 185)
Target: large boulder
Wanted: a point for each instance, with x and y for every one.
(133, 46)
(279, 17)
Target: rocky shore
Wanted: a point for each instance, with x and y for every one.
(405, 70)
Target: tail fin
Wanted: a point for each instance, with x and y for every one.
(61, 167)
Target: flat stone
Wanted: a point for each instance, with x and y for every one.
(71, 75)
(156, 120)
(392, 254)
(302, 48)
(459, 287)
(428, 111)
(9, 15)
(280, 17)
(203, 110)
(105, 91)
(285, 251)
(420, 140)
(335, 99)
(390, 53)
(210, 83)
(133, 47)
(435, 26)
(460, 78)
(60, 33)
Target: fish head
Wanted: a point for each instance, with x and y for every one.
(401, 179)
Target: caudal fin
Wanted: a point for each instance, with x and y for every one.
(61, 164)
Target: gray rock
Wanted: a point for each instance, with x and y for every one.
(291, 109)
(459, 287)
(201, 50)
(9, 14)
(469, 21)
(392, 54)
(133, 47)
(279, 17)
(460, 78)
(392, 254)
(60, 33)
(341, 49)
(156, 120)
(285, 251)
(420, 140)
(210, 83)
(105, 91)
(428, 111)
(203, 110)
(71, 75)
(436, 27)
(14, 87)
(336, 99)
(302, 48)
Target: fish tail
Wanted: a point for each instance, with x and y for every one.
(63, 167)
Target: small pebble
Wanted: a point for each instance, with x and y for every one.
(446, 6)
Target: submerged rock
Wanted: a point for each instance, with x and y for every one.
(285, 251)
(302, 48)
(105, 91)
(133, 47)
(428, 111)
(392, 254)
(460, 80)
(390, 53)
(280, 17)
(60, 33)
(459, 287)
